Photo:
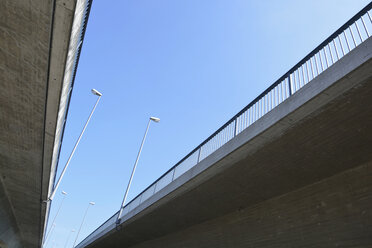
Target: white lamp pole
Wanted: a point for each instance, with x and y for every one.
(134, 169)
(68, 237)
(86, 211)
(95, 92)
(55, 217)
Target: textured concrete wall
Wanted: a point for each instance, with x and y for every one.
(335, 212)
(34, 41)
(25, 28)
(9, 234)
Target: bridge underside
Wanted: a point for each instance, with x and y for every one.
(34, 46)
(301, 176)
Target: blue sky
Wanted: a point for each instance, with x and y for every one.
(192, 63)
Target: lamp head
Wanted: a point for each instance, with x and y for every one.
(64, 193)
(92, 203)
(96, 92)
(154, 119)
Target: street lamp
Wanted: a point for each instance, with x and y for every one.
(68, 237)
(86, 211)
(59, 208)
(154, 119)
(97, 93)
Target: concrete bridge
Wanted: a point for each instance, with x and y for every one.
(292, 169)
(40, 44)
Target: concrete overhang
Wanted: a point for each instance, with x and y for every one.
(39, 52)
(323, 129)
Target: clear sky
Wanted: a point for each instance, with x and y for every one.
(192, 63)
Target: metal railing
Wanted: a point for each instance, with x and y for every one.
(341, 42)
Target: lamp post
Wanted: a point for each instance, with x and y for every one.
(86, 211)
(68, 237)
(55, 217)
(154, 119)
(95, 92)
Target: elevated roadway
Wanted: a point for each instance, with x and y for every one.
(40, 43)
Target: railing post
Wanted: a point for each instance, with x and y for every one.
(174, 172)
(236, 127)
(289, 85)
(199, 154)
(154, 188)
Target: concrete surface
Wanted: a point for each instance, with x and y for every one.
(35, 37)
(330, 213)
(321, 132)
(9, 235)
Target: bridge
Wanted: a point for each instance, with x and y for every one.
(39, 53)
(292, 169)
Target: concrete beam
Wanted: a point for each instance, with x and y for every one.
(9, 233)
(38, 51)
(330, 213)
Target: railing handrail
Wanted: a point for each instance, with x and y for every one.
(256, 100)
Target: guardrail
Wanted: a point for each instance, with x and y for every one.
(341, 42)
